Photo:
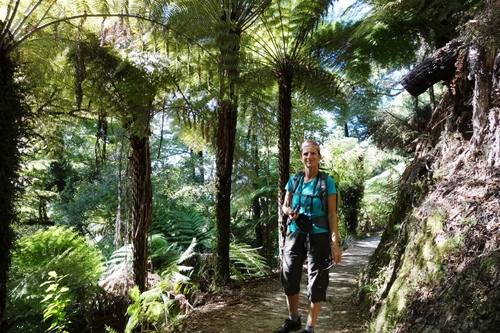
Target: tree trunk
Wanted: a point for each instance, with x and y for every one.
(440, 66)
(226, 137)
(141, 206)
(118, 220)
(101, 138)
(346, 130)
(256, 208)
(12, 113)
(285, 78)
(201, 172)
(481, 96)
(227, 116)
(493, 135)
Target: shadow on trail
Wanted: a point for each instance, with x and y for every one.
(262, 308)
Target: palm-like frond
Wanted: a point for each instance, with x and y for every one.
(246, 262)
(284, 27)
(117, 276)
(24, 19)
(395, 30)
(183, 224)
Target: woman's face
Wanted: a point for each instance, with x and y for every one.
(310, 157)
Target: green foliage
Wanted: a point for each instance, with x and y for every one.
(56, 302)
(157, 306)
(110, 330)
(149, 310)
(13, 122)
(352, 195)
(118, 268)
(246, 262)
(54, 249)
(380, 197)
(346, 158)
(181, 224)
(392, 31)
(368, 182)
(88, 205)
(397, 124)
(384, 169)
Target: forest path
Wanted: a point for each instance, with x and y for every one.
(261, 305)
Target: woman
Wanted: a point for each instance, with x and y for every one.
(316, 239)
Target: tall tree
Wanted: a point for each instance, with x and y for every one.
(220, 24)
(284, 40)
(129, 89)
(13, 112)
(18, 24)
(139, 93)
(23, 21)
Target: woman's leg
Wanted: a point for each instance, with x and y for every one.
(293, 304)
(317, 257)
(312, 316)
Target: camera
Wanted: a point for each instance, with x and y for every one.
(304, 223)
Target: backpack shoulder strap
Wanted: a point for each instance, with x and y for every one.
(296, 179)
(323, 192)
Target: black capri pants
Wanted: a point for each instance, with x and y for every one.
(316, 249)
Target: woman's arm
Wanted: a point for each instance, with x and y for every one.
(286, 208)
(333, 221)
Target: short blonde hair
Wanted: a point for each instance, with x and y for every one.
(309, 143)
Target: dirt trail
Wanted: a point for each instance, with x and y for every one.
(261, 306)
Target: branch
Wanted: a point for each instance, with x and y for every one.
(27, 15)
(6, 28)
(70, 18)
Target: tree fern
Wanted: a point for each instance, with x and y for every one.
(181, 225)
(117, 275)
(149, 310)
(157, 306)
(246, 262)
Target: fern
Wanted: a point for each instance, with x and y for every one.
(118, 269)
(110, 330)
(55, 249)
(181, 225)
(150, 308)
(155, 306)
(246, 262)
(56, 301)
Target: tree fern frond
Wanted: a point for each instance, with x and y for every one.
(118, 267)
(182, 226)
(246, 262)
(323, 85)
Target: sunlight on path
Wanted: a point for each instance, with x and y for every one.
(340, 313)
(263, 308)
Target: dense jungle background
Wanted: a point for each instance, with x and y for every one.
(144, 149)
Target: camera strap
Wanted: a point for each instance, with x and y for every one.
(307, 196)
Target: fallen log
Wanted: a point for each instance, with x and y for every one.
(439, 66)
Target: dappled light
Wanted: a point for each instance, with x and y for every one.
(146, 148)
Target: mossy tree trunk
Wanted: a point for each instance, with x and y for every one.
(285, 80)
(142, 202)
(13, 113)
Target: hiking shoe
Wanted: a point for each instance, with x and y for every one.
(289, 326)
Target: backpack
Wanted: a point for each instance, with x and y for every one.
(322, 177)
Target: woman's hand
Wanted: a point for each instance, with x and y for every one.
(291, 213)
(336, 253)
